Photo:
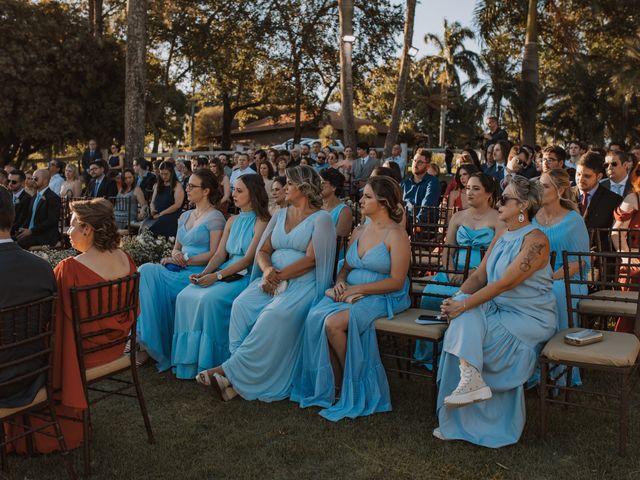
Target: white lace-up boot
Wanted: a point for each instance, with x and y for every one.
(471, 389)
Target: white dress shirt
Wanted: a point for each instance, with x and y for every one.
(618, 187)
(55, 184)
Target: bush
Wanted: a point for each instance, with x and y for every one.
(368, 133)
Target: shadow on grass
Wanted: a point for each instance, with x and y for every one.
(199, 437)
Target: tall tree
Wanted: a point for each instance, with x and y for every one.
(451, 59)
(346, 71)
(134, 117)
(403, 76)
(530, 77)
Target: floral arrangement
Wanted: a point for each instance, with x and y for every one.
(141, 248)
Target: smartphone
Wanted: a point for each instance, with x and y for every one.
(430, 320)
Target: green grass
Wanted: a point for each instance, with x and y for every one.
(199, 437)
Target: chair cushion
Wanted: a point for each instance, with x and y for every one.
(405, 324)
(40, 397)
(114, 366)
(615, 350)
(600, 306)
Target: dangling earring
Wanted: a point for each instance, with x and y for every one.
(521, 217)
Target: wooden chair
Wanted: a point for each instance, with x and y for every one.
(616, 355)
(426, 260)
(90, 305)
(123, 204)
(26, 346)
(429, 224)
(342, 243)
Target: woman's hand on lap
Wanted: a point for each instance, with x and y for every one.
(452, 308)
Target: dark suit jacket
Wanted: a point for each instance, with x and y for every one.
(22, 211)
(606, 183)
(599, 213)
(45, 229)
(87, 158)
(27, 278)
(108, 188)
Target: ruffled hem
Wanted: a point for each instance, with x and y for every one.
(317, 388)
(196, 351)
(361, 396)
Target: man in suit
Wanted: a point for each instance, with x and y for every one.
(101, 185)
(618, 165)
(27, 278)
(596, 202)
(20, 198)
(145, 179)
(90, 154)
(362, 166)
(41, 225)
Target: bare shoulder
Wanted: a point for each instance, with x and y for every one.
(536, 237)
(398, 234)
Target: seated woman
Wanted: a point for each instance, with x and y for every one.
(137, 204)
(199, 233)
(332, 191)
(201, 331)
(458, 196)
(278, 194)
(218, 170)
(340, 350)
(166, 202)
(560, 221)
(295, 256)
(93, 232)
(72, 186)
(502, 315)
(475, 227)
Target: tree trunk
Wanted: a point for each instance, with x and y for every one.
(401, 87)
(134, 107)
(530, 83)
(443, 115)
(345, 8)
(297, 128)
(227, 121)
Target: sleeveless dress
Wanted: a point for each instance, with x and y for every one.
(568, 235)
(201, 331)
(335, 216)
(502, 339)
(364, 387)
(122, 216)
(165, 225)
(476, 238)
(159, 287)
(265, 332)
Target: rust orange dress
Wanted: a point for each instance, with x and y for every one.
(629, 273)
(67, 382)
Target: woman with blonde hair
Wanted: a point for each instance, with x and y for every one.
(72, 186)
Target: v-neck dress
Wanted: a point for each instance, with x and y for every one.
(265, 332)
(365, 389)
(159, 287)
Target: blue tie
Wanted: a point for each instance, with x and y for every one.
(33, 210)
(95, 189)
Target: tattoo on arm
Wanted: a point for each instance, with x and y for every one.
(534, 250)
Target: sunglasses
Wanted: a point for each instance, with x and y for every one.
(610, 164)
(14, 182)
(503, 199)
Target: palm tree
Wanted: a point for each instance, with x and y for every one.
(452, 59)
(345, 9)
(530, 84)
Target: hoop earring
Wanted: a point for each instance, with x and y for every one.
(521, 217)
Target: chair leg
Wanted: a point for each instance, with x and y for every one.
(434, 379)
(29, 438)
(86, 442)
(624, 412)
(4, 467)
(569, 375)
(61, 443)
(544, 374)
(141, 402)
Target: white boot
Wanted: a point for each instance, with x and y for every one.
(471, 389)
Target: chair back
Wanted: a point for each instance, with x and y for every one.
(26, 345)
(612, 281)
(429, 224)
(429, 258)
(342, 243)
(123, 204)
(115, 300)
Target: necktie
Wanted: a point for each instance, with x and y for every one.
(15, 199)
(32, 222)
(95, 189)
(584, 203)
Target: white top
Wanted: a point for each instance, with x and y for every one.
(55, 183)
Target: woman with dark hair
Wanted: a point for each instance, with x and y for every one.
(272, 157)
(215, 164)
(332, 191)
(295, 256)
(199, 233)
(340, 350)
(166, 202)
(279, 194)
(201, 333)
(131, 196)
(266, 172)
(498, 321)
(458, 197)
(116, 161)
(396, 173)
(92, 232)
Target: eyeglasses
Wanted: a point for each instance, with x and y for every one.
(503, 199)
(14, 182)
(610, 164)
(191, 186)
(550, 159)
(321, 158)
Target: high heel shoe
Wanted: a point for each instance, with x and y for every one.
(203, 378)
(221, 385)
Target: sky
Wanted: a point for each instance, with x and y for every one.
(430, 15)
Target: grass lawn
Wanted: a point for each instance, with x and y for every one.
(199, 437)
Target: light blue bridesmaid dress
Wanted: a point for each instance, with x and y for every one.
(201, 332)
(502, 339)
(568, 235)
(364, 387)
(476, 238)
(159, 287)
(335, 216)
(265, 332)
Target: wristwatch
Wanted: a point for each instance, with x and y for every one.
(218, 276)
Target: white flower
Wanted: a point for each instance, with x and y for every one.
(158, 242)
